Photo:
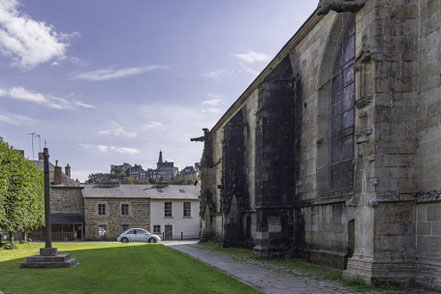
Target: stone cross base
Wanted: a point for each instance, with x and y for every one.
(49, 258)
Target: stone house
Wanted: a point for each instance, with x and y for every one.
(136, 172)
(332, 153)
(110, 209)
(67, 205)
(187, 171)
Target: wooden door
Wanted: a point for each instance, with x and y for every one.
(168, 232)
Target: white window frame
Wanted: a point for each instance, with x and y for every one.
(188, 209)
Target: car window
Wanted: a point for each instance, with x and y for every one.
(131, 232)
(142, 232)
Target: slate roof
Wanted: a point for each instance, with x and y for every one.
(63, 218)
(182, 192)
(65, 180)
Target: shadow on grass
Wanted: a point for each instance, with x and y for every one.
(119, 268)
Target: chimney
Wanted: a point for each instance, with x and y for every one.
(57, 174)
(67, 170)
(40, 156)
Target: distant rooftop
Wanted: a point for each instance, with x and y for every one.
(143, 191)
(65, 180)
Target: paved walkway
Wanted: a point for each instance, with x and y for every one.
(259, 278)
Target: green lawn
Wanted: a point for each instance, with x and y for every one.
(115, 268)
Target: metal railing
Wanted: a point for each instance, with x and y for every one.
(64, 236)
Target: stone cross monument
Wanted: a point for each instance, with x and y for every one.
(48, 257)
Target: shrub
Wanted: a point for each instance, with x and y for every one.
(10, 245)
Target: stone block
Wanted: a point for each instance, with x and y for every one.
(45, 258)
(434, 212)
(421, 213)
(48, 251)
(429, 244)
(436, 229)
(424, 229)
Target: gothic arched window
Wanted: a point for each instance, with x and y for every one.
(342, 113)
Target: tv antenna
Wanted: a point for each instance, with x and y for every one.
(39, 141)
(34, 134)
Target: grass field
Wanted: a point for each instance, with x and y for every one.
(114, 268)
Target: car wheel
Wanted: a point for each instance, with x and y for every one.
(124, 240)
(152, 240)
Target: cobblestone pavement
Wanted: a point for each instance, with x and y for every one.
(261, 279)
(264, 277)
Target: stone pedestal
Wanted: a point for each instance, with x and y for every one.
(49, 258)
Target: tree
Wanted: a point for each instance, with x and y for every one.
(183, 180)
(21, 192)
(141, 182)
(127, 180)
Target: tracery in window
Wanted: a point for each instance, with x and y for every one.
(342, 112)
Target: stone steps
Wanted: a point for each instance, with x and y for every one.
(42, 258)
(51, 261)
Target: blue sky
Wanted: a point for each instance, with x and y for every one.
(106, 82)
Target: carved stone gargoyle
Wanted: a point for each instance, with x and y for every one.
(339, 6)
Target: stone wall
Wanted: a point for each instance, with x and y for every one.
(234, 192)
(139, 216)
(384, 225)
(428, 244)
(67, 200)
(326, 234)
(428, 128)
(275, 159)
(208, 204)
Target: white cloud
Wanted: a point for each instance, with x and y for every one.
(248, 69)
(118, 130)
(55, 63)
(111, 74)
(78, 62)
(82, 104)
(23, 94)
(215, 74)
(211, 110)
(213, 100)
(106, 148)
(20, 93)
(152, 125)
(251, 57)
(28, 42)
(16, 119)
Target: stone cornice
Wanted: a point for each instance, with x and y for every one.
(289, 46)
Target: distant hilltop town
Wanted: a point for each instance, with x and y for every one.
(165, 170)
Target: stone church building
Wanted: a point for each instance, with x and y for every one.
(333, 153)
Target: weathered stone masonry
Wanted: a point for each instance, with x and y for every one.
(338, 160)
(275, 160)
(138, 217)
